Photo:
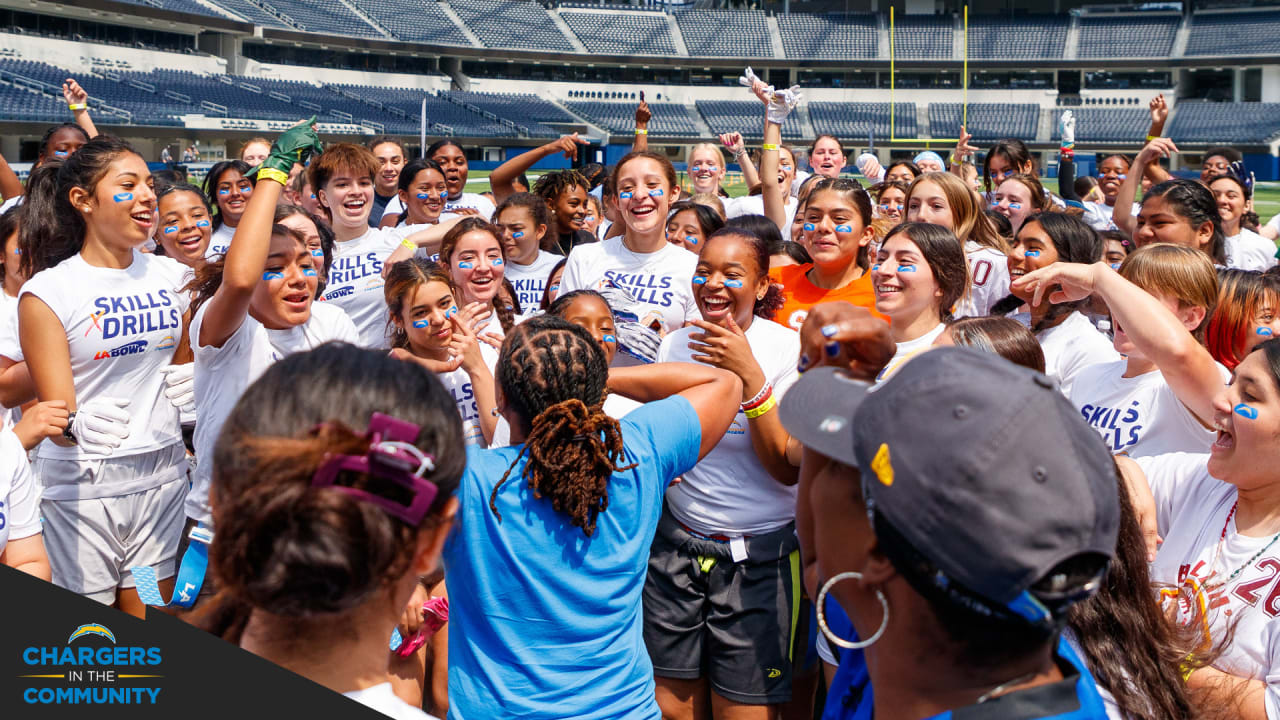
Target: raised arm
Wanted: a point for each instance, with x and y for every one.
(502, 181)
(78, 102)
(10, 185)
(705, 387)
(778, 104)
(1122, 216)
(245, 262)
(1162, 337)
(733, 142)
(428, 239)
(1066, 157)
(642, 126)
(963, 151)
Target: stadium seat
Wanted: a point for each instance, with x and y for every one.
(1106, 124)
(831, 37)
(1211, 122)
(1252, 33)
(1127, 36)
(512, 24)
(620, 117)
(1035, 37)
(987, 121)
(923, 37)
(414, 20)
(622, 33)
(859, 121)
(744, 116)
(725, 33)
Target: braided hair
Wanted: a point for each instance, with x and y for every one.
(553, 375)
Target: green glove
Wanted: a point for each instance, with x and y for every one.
(294, 145)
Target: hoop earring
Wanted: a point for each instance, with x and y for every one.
(822, 618)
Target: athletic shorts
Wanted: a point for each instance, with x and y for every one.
(93, 542)
(731, 622)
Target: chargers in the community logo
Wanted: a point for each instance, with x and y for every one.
(91, 669)
(166, 342)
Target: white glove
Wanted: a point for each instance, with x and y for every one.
(782, 101)
(749, 79)
(180, 386)
(101, 424)
(1067, 128)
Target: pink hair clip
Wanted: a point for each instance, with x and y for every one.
(391, 456)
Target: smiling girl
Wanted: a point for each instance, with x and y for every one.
(919, 275)
(523, 220)
(1178, 211)
(473, 254)
(428, 328)
(943, 199)
(423, 192)
(450, 156)
(344, 180)
(1018, 198)
(565, 193)
(1246, 249)
(706, 169)
(826, 156)
(229, 188)
(1245, 315)
(185, 224)
(254, 307)
(103, 318)
(736, 507)
(1070, 342)
(641, 261)
(836, 231)
(690, 224)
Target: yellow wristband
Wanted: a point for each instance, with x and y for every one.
(273, 174)
(641, 131)
(408, 244)
(1152, 137)
(768, 146)
(765, 407)
(77, 106)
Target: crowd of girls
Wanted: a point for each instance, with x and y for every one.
(583, 423)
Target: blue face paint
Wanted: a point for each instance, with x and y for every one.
(608, 339)
(60, 153)
(691, 239)
(313, 196)
(171, 230)
(225, 191)
(844, 228)
(876, 267)
(554, 287)
(1121, 176)
(202, 223)
(517, 235)
(810, 227)
(1015, 206)
(272, 275)
(1032, 253)
(122, 197)
(656, 192)
(699, 280)
(451, 311)
(1244, 411)
(733, 283)
(906, 268)
(423, 196)
(317, 253)
(1115, 266)
(1264, 331)
(624, 196)
(464, 265)
(309, 272)
(497, 262)
(422, 324)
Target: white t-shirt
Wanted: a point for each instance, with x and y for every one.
(988, 280)
(355, 280)
(19, 498)
(385, 701)
(479, 202)
(1250, 251)
(122, 327)
(223, 374)
(14, 202)
(660, 281)
(754, 205)
(393, 208)
(219, 242)
(1274, 222)
(1071, 346)
(530, 281)
(9, 348)
(617, 406)
(1191, 511)
(458, 383)
(729, 491)
(1138, 416)
(909, 349)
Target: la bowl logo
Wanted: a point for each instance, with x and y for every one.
(91, 669)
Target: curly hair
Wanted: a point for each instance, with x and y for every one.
(553, 374)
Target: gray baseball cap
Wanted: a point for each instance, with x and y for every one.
(982, 467)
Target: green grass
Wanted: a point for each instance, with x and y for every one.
(1266, 200)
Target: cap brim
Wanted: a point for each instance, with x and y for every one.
(818, 411)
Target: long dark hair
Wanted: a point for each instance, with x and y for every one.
(1195, 204)
(1014, 150)
(327, 239)
(1075, 242)
(409, 172)
(450, 241)
(302, 552)
(215, 176)
(945, 256)
(553, 375)
(52, 229)
(708, 219)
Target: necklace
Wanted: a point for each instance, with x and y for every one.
(1222, 538)
(998, 690)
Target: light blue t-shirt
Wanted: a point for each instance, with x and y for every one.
(545, 622)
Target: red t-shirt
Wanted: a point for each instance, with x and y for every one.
(801, 294)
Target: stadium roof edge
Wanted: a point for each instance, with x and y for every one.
(129, 11)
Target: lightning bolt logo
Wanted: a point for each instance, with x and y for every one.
(92, 629)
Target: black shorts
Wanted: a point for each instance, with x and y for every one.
(705, 615)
